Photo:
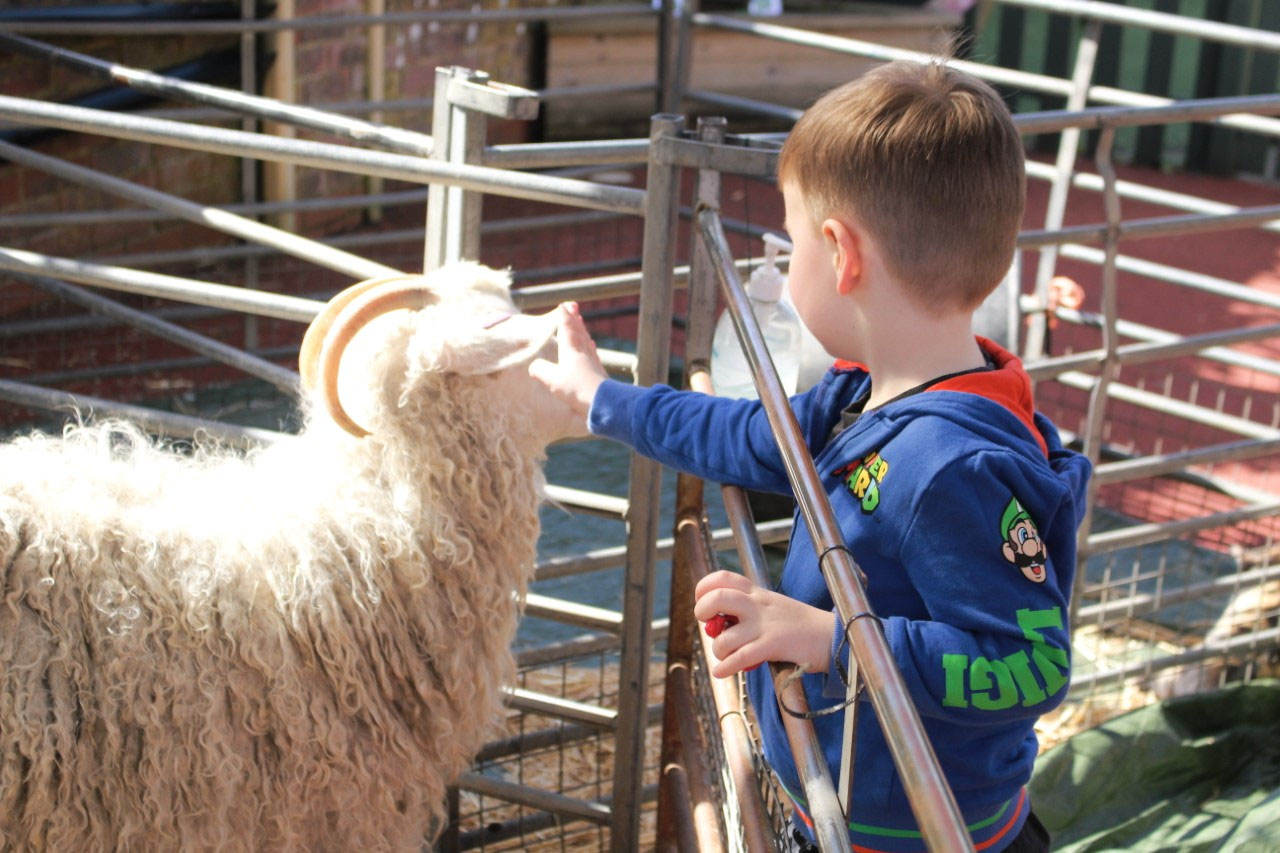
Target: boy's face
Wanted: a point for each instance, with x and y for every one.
(811, 278)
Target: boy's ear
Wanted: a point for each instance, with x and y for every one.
(845, 244)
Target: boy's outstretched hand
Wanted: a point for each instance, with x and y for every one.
(577, 372)
(769, 626)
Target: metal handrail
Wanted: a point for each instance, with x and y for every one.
(1160, 22)
(322, 22)
(323, 155)
(935, 808)
(1022, 80)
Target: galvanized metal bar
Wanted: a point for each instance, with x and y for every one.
(1021, 80)
(1150, 109)
(1174, 275)
(168, 424)
(371, 107)
(609, 506)
(768, 532)
(212, 217)
(1161, 22)
(94, 217)
(550, 155)
(561, 734)
(732, 159)
(931, 799)
(583, 644)
(696, 539)
(1158, 226)
(825, 807)
(1244, 643)
(1168, 463)
(572, 613)
(1056, 208)
(282, 378)
(267, 109)
(1142, 603)
(1098, 394)
(741, 104)
(602, 287)
(163, 286)
(529, 822)
(1189, 411)
(1142, 534)
(1158, 346)
(1140, 192)
(653, 347)
(525, 795)
(323, 22)
(323, 155)
(532, 702)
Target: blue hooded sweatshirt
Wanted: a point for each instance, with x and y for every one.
(961, 506)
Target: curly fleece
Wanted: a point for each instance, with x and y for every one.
(292, 649)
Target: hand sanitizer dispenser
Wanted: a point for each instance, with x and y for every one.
(730, 371)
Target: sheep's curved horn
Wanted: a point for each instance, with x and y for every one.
(359, 311)
(313, 340)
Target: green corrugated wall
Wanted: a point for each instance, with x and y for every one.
(1142, 61)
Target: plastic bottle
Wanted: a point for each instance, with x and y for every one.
(730, 370)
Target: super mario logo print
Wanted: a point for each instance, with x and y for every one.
(863, 478)
(1022, 544)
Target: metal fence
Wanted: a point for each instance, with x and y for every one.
(1178, 572)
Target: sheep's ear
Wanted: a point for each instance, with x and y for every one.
(468, 279)
(480, 345)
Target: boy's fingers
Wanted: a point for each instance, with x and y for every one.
(721, 580)
(723, 600)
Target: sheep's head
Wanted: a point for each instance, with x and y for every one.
(466, 325)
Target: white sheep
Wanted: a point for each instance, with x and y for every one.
(297, 648)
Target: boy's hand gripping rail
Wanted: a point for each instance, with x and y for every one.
(931, 800)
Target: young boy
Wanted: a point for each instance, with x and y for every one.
(903, 192)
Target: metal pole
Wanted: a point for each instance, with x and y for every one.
(1141, 192)
(162, 286)
(653, 344)
(1110, 342)
(931, 800)
(213, 217)
(267, 109)
(1163, 22)
(825, 808)
(320, 22)
(322, 155)
(1156, 226)
(164, 423)
(282, 378)
(1068, 145)
(435, 239)
(1022, 80)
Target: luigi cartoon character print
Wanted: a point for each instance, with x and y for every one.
(1022, 543)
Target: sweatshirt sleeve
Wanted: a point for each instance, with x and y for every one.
(990, 550)
(723, 440)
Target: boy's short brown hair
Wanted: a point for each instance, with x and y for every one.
(927, 159)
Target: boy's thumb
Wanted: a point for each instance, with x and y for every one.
(540, 369)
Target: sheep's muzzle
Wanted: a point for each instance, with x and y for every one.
(338, 323)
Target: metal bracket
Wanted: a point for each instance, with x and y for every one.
(483, 95)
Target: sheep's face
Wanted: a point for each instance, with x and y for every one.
(465, 325)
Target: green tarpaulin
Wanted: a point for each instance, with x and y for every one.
(1196, 773)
